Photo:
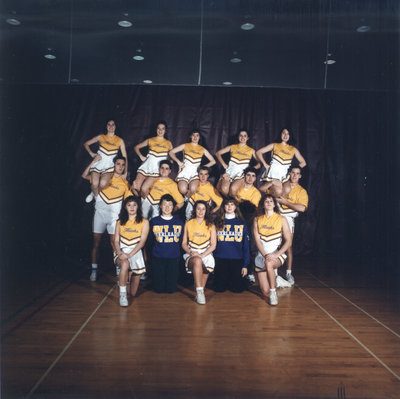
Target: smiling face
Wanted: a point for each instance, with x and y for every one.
(161, 129)
(285, 135)
(119, 166)
(243, 137)
(295, 175)
(164, 170)
(131, 208)
(203, 176)
(230, 207)
(111, 127)
(200, 211)
(166, 207)
(195, 136)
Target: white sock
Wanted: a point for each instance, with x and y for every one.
(276, 272)
(122, 289)
(288, 272)
(199, 289)
(272, 290)
(94, 266)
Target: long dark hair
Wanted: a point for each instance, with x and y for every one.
(291, 140)
(260, 209)
(207, 216)
(220, 218)
(124, 216)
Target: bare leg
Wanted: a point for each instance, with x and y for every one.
(112, 242)
(236, 186)
(104, 179)
(224, 184)
(286, 189)
(192, 187)
(95, 248)
(289, 259)
(183, 187)
(135, 280)
(146, 186)
(264, 188)
(263, 283)
(123, 274)
(137, 184)
(95, 182)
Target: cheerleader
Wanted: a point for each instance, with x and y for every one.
(131, 233)
(240, 156)
(158, 151)
(282, 155)
(102, 170)
(232, 256)
(199, 241)
(268, 229)
(193, 152)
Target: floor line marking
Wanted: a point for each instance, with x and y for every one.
(356, 306)
(351, 335)
(69, 344)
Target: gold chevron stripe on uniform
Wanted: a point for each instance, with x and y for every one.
(128, 241)
(159, 154)
(281, 160)
(108, 152)
(110, 200)
(271, 237)
(202, 245)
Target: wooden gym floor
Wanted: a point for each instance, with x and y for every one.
(331, 336)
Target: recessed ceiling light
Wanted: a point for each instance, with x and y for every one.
(138, 58)
(13, 21)
(147, 81)
(247, 26)
(227, 83)
(125, 24)
(235, 60)
(363, 28)
(74, 80)
(50, 56)
(329, 62)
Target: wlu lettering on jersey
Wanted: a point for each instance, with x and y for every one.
(227, 234)
(162, 233)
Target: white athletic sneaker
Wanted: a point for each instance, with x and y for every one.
(282, 283)
(123, 299)
(290, 278)
(93, 275)
(89, 198)
(201, 298)
(251, 278)
(273, 298)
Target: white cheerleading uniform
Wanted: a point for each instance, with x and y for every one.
(108, 149)
(282, 156)
(240, 157)
(158, 151)
(191, 161)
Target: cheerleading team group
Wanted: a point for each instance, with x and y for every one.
(143, 223)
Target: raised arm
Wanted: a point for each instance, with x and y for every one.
(137, 148)
(263, 150)
(175, 150)
(220, 153)
(210, 158)
(88, 143)
(299, 157)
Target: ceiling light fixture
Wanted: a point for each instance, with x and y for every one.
(363, 29)
(50, 56)
(227, 83)
(329, 62)
(247, 26)
(138, 57)
(74, 80)
(13, 21)
(125, 24)
(147, 81)
(236, 60)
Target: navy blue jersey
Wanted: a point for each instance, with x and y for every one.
(233, 241)
(167, 237)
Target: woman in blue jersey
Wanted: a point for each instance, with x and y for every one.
(167, 232)
(232, 255)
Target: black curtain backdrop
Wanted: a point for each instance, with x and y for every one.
(349, 139)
